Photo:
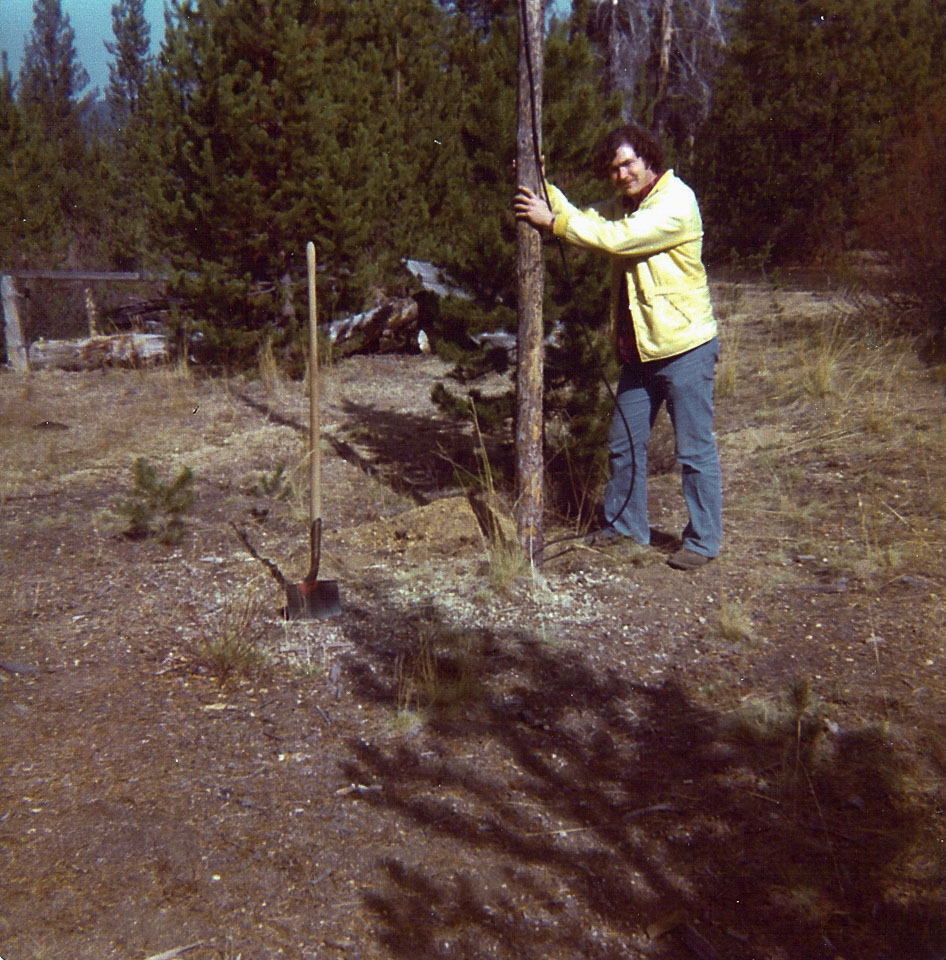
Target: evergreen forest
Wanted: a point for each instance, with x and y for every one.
(385, 130)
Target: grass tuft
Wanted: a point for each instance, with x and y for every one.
(270, 375)
(438, 672)
(727, 373)
(734, 624)
(508, 564)
(230, 641)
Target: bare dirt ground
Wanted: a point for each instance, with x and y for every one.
(605, 759)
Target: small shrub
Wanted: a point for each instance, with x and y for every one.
(155, 508)
(274, 485)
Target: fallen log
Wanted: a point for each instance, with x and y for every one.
(391, 325)
(92, 353)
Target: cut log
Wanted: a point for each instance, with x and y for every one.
(120, 350)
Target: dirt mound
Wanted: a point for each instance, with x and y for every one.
(444, 528)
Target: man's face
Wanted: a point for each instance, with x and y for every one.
(629, 174)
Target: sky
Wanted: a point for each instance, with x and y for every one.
(92, 22)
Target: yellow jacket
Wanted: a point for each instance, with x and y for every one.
(656, 251)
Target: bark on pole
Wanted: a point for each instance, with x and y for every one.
(530, 281)
(17, 356)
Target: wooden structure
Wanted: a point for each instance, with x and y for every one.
(125, 348)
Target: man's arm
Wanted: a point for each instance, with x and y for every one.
(664, 221)
(667, 221)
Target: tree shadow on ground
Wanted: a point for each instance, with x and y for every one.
(564, 811)
(415, 456)
(418, 453)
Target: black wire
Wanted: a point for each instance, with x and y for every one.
(599, 364)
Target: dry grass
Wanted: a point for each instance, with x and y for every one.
(735, 624)
(438, 672)
(230, 641)
(820, 361)
(270, 373)
(508, 564)
(728, 370)
(835, 395)
(52, 426)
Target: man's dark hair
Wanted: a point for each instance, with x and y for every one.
(644, 144)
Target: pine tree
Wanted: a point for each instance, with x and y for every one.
(398, 115)
(576, 114)
(291, 121)
(483, 14)
(51, 77)
(806, 106)
(129, 160)
(128, 74)
(53, 155)
(243, 130)
(10, 189)
(479, 248)
(30, 210)
(380, 131)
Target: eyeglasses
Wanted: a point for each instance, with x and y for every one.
(618, 169)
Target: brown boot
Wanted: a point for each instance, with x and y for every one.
(686, 559)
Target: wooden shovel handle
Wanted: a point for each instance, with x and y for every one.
(315, 463)
(315, 551)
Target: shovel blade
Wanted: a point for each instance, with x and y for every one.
(312, 600)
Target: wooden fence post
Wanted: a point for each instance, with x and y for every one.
(17, 356)
(91, 312)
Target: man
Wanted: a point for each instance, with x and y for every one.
(664, 332)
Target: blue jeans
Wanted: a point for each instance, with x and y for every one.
(685, 382)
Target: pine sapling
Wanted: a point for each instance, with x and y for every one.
(156, 508)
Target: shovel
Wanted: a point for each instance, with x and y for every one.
(311, 598)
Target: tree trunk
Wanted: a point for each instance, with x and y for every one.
(530, 277)
(666, 43)
(288, 310)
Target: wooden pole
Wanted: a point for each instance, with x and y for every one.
(530, 284)
(91, 312)
(17, 356)
(315, 461)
